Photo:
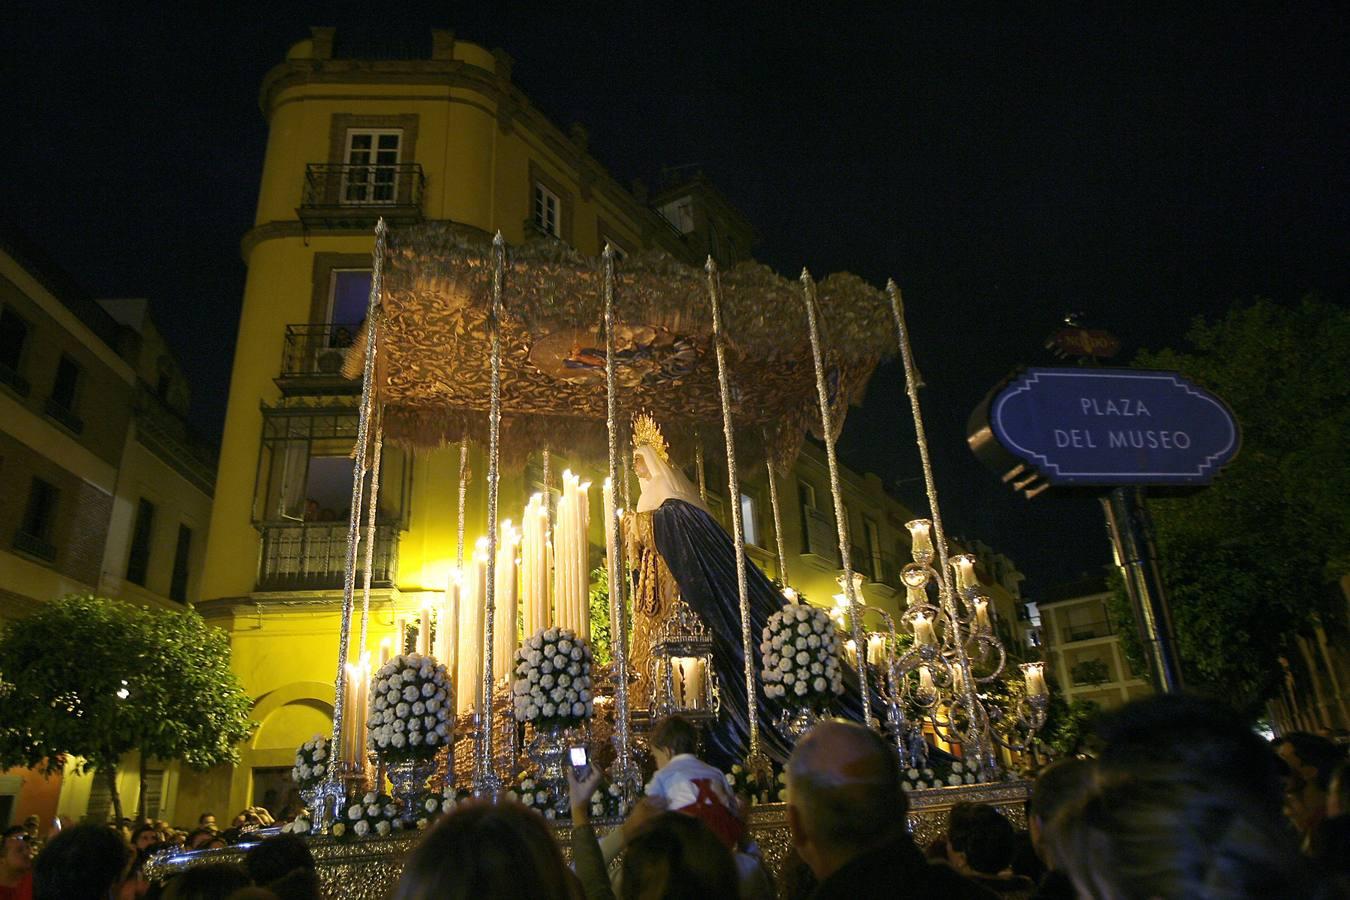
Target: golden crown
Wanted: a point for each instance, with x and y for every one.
(646, 431)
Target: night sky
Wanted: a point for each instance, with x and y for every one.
(1005, 163)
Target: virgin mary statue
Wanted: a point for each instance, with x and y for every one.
(677, 549)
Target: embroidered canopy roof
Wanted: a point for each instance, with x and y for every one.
(432, 352)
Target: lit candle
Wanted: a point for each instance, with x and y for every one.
(924, 635)
(562, 557)
(876, 649)
(677, 680)
(424, 630)
(350, 715)
(447, 621)
(982, 612)
(504, 628)
(583, 569)
(386, 650)
(851, 651)
(841, 608)
(1035, 676)
(362, 709)
(790, 594)
(920, 539)
(469, 652)
(400, 635)
(926, 681)
(964, 565)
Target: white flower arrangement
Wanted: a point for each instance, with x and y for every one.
(373, 815)
(553, 679)
(608, 803)
(311, 762)
(300, 825)
(755, 788)
(536, 794)
(801, 657)
(449, 798)
(411, 713)
(958, 773)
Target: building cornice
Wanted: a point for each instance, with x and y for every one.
(513, 109)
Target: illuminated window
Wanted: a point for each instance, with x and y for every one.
(750, 520)
(546, 209)
(371, 175)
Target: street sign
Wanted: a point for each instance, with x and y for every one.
(1083, 427)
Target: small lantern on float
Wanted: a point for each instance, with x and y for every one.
(683, 680)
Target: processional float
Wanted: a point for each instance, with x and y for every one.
(520, 350)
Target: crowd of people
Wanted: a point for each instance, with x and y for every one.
(1182, 800)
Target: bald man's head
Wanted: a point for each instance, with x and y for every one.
(844, 783)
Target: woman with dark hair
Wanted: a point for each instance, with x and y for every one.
(215, 881)
(500, 850)
(1165, 833)
(677, 857)
(87, 862)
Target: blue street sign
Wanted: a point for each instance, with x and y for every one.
(1086, 427)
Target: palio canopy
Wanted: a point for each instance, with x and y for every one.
(432, 351)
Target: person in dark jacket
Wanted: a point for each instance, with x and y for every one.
(847, 814)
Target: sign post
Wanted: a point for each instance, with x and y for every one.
(1118, 429)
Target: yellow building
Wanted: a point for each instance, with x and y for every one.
(1082, 645)
(103, 488)
(448, 138)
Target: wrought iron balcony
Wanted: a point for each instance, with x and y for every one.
(59, 413)
(311, 360)
(14, 380)
(312, 556)
(35, 546)
(1086, 631)
(340, 195)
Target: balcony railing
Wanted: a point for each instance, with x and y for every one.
(1086, 631)
(59, 413)
(16, 382)
(313, 556)
(35, 546)
(354, 195)
(311, 360)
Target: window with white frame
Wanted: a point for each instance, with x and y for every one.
(750, 519)
(547, 210)
(372, 158)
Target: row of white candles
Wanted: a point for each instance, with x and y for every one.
(356, 697)
(571, 557)
(528, 565)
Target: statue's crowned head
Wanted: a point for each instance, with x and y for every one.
(646, 433)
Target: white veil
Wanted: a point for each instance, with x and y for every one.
(664, 482)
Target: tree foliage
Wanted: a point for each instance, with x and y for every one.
(95, 679)
(1249, 561)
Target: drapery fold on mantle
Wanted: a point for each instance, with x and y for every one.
(432, 349)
